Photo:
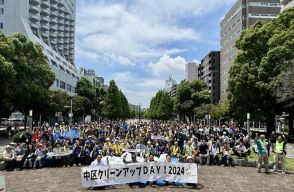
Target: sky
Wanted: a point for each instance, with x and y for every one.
(140, 43)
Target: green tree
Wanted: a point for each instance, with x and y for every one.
(33, 75)
(189, 96)
(57, 101)
(264, 49)
(161, 106)
(81, 106)
(99, 100)
(7, 74)
(112, 102)
(86, 89)
(125, 109)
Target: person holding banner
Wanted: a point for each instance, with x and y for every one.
(98, 162)
(191, 160)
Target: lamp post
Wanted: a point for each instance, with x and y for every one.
(209, 117)
(70, 115)
(31, 120)
(248, 126)
(259, 118)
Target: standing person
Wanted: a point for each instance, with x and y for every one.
(262, 146)
(280, 153)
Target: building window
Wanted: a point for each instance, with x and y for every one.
(62, 85)
(57, 82)
(68, 88)
(1, 25)
(1, 11)
(1, 2)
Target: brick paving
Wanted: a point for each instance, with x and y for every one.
(223, 179)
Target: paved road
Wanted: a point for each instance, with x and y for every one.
(210, 179)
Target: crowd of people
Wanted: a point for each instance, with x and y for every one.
(215, 145)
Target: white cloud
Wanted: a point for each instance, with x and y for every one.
(125, 35)
(125, 77)
(167, 66)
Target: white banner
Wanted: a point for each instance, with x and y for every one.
(138, 172)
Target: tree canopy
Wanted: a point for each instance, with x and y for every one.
(264, 50)
(161, 106)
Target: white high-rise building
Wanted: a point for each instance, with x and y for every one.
(50, 23)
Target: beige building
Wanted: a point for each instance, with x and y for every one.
(243, 14)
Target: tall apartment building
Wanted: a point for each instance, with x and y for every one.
(171, 86)
(209, 72)
(51, 24)
(91, 76)
(243, 14)
(287, 4)
(191, 71)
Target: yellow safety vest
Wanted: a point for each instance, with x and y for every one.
(279, 147)
(175, 151)
(189, 150)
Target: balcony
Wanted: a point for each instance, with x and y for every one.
(60, 47)
(53, 27)
(35, 2)
(34, 9)
(45, 26)
(53, 1)
(44, 34)
(54, 14)
(61, 9)
(45, 4)
(54, 7)
(60, 41)
(53, 21)
(53, 34)
(71, 46)
(53, 41)
(45, 12)
(45, 19)
(60, 15)
(34, 18)
(34, 25)
(61, 34)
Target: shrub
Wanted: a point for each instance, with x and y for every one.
(16, 138)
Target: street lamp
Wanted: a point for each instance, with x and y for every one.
(259, 118)
(70, 115)
(31, 120)
(248, 126)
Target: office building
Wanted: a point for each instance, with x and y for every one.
(243, 14)
(51, 24)
(209, 72)
(191, 71)
(91, 76)
(171, 86)
(287, 4)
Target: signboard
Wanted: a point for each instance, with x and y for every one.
(138, 172)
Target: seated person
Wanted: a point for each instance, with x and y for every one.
(19, 156)
(214, 153)
(9, 158)
(241, 150)
(39, 156)
(226, 156)
(29, 157)
(204, 153)
(76, 155)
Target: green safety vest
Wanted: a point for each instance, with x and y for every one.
(263, 144)
(279, 147)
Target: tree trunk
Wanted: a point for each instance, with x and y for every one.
(270, 124)
(291, 129)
